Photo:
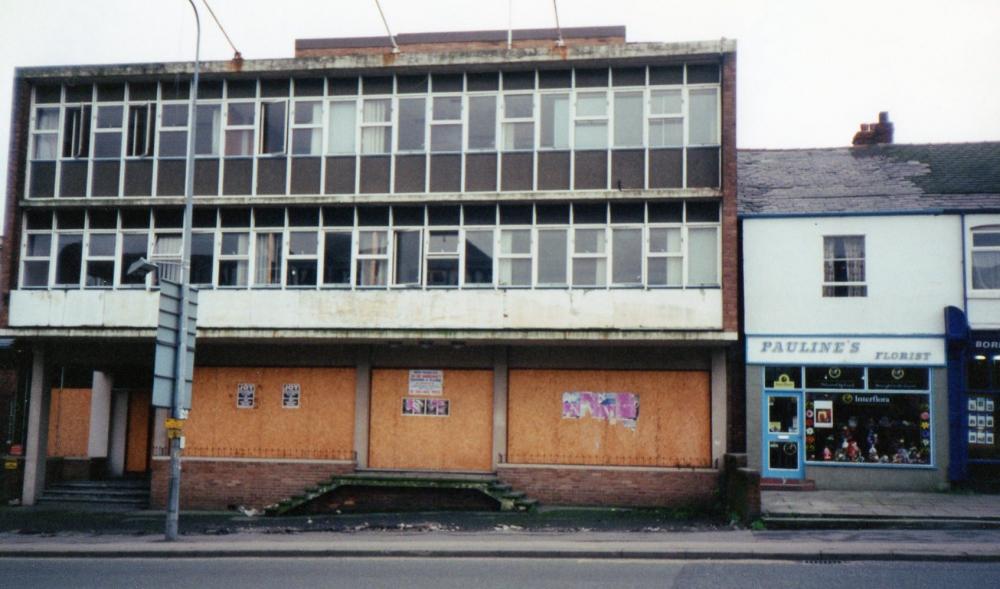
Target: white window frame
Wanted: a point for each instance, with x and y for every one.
(512, 122)
(501, 256)
(973, 250)
(591, 120)
(385, 257)
(458, 255)
(309, 128)
(850, 285)
(163, 128)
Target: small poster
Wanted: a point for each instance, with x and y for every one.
(981, 421)
(246, 393)
(614, 408)
(430, 407)
(989, 438)
(972, 437)
(982, 437)
(972, 404)
(989, 405)
(989, 421)
(291, 395)
(426, 382)
(823, 414)
(972, 420)
(981, 404)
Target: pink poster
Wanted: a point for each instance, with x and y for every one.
(615, 408)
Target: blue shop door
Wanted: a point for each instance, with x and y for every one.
(782, 425)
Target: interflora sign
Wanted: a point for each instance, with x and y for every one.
(870, 351)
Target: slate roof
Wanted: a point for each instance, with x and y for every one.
(943, 177)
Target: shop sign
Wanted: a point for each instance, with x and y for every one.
(983, 342)
(426, 382)
(877, 351)
(10, 464)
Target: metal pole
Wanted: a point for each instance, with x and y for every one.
(180, 381)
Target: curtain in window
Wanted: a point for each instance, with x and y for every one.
(267, 258)
(374, 139)
(845, 257)
(986, 270)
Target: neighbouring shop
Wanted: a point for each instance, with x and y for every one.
(981, 402)
(850, 425)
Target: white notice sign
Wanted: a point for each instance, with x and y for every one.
(426, 382)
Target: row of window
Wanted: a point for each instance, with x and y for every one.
(73, 125)
(584, 245)
(577, 119)
(844, 263)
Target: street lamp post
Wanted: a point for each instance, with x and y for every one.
(177, 411)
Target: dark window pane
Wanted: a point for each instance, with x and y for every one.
(175, 90)
(376, 85)
(343, 86)
(783, 377)
(703, 74)
(898, 378)
(69, 219)
(103, 218)
(407, 257)
(515, 214)
(69, 254)
(446, 82)
(337, 258)
(309, 87)
(590, 213)
(202, 248)
(666, 212)
(269, 217)
(479, 81)
(373, 216)
(480, 214)
(338, 216)
(135, 218)
(142, 91)
(100, 274)
(273, 88)
(241, 88)
(443, 215)
(235, 217)
(273, 127)
(203, 218)
(407, 216)
(479, 257)
(627, 212)
(628, 76)
(442, 272)
(209, 88)
(591, 78)
(110, 92)
(666, 75)
(411, 84)
(518, 80)
(301, 273)
(133, 248)
(555, 78)
(79, 93)
(303, 217)
(552, 214)
(36, 273)
(48, 94)
(38, 219)
(168, 218)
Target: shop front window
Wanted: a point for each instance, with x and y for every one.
(876, 415)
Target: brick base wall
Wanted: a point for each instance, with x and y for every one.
(219, 484)
(613, 486)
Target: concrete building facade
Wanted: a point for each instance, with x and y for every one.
(460, 258)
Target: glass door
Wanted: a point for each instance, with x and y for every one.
(782, 425)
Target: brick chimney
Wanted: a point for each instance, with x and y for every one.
(875, 133)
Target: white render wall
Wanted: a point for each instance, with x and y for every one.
(695, 309)
(913, 269)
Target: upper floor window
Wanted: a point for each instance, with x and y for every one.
(986, 258)
(844, 266)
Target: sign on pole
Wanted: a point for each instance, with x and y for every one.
(167, 331)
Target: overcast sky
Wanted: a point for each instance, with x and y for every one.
(808, 71)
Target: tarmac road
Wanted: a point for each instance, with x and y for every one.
(446, 573)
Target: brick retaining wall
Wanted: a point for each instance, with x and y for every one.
(639, 487)
(218, 484)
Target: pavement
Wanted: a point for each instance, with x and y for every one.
(813, 546)
(818, 526)
(825, 509)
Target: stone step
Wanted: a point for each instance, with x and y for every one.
(101, 492)
(776, 484)
(94, 499)
(106, 484)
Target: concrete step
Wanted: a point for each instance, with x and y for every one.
(775, 484)
(96, 491)
(106, 484)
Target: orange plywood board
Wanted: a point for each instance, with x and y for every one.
(673, 427)
(69, 423)
(137, 443)
(462, 441)
(321, 428)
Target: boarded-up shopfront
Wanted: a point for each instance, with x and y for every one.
(431, 420)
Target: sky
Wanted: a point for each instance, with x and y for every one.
(809, 72)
